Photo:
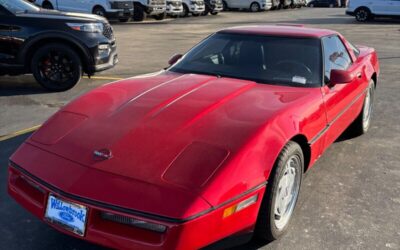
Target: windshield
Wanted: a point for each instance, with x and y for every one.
(18, 6)
(264, 59)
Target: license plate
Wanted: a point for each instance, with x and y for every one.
(68, 215)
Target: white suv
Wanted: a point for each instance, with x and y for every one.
(365, 10)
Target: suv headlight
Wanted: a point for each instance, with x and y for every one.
(87, 27)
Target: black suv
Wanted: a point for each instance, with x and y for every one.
(56, 47)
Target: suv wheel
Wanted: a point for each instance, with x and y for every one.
(254, 7)
(98, 10)
(363, 14)
(160, 16)
(56, 67)
(138, 13)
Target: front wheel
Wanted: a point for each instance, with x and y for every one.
(254, 7)
(56, 67)
(100, 11)
(214, 13)
(282, 192)
(138, 13)
(363, 15)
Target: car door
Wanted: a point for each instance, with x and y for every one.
(6, 46)
(341, 101)
(380, 7)
(394, 6)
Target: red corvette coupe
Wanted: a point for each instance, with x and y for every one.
(214, 146)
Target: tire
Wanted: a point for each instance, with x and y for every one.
(275, 4)
(311, 5)
(47, 5)
(160, 17)
(195, 14)
(363, 14)
(225, 8)
(331, 5)
(254, 7)
(214, 13)
(138, 13)
(362, 123)
(100, 11)
(206, 11)
(124, 20)
(185, 12)
(270, 225)
(56, 67)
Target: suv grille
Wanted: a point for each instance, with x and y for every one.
(108, 31)
(122, 5)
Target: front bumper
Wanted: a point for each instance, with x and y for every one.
(174, 10)
(217, 7)
(104, 58)
(32, 193)
(153, 10)
(119, 14)
(197, 9)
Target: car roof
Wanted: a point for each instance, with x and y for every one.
(280, 30)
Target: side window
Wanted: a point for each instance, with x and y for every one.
(335, 55)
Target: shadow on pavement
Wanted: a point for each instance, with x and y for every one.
(19, 85)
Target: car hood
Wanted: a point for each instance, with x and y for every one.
(68, 16)
(164, 128)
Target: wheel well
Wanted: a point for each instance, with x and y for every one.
(362, 7)
(34, 47)
(46, 2)
(305, 146)
(97, 6)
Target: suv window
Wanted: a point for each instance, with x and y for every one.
(335, 55)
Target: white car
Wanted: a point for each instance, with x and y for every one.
(252, 5)
(365, 10)
(111, 9)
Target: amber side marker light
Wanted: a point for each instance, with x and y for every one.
(240, 206)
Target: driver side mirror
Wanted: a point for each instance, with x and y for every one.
(339, 76)
(174, 59)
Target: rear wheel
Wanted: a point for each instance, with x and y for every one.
(254, 7)
(160, 17)
(124, 20)
(282, 192)
(362, 123)
(56, 67)
(100, 11)
(363, 14)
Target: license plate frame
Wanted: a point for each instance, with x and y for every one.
(69, 215)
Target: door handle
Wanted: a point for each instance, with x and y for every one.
(359, 75)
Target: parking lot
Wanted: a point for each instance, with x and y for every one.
(349, 200)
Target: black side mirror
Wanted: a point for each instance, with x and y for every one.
(174, 59)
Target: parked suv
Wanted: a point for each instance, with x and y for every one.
(152, 8)
(56, 47)
(367, 10)
(196, 7)
(121, 10)
(213, 7)
(251, 5)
